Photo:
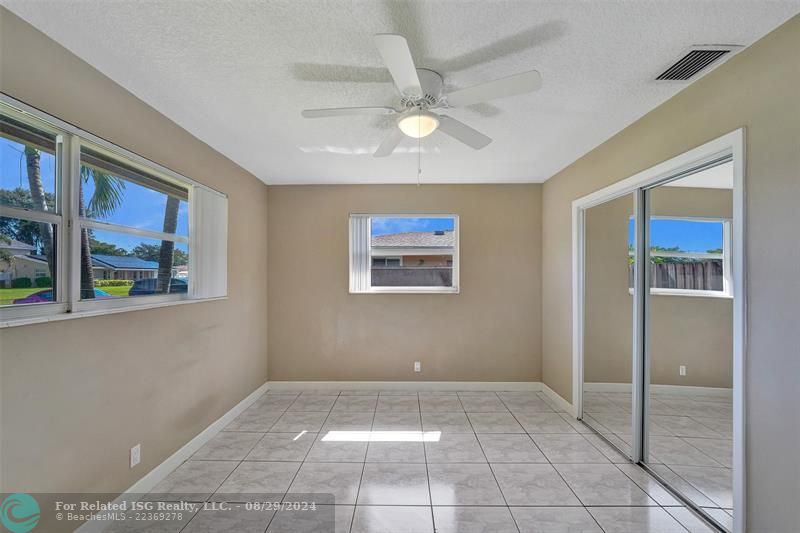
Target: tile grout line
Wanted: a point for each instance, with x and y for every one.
(302, 462)
(425, 457)
(494, 476)
(239, 463)
(363, 467)
(556, 470)
(637, 484)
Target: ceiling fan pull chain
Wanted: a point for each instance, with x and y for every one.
(419, 152)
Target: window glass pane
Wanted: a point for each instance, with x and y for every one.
(27, 261)
(412, 252)
(129, 265)
(684, 254)
(111, 192)
(27, 167)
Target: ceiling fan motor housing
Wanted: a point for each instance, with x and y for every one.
(432, 85)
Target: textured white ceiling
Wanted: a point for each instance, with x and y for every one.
(237, 73)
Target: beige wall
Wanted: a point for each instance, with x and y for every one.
(77, 394)
(756, 89)
(685, 330)
(488, 332)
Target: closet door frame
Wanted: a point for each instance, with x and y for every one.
(727, 147)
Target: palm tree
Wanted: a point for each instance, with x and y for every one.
(33, 163)
(107, 196)
(167, 253)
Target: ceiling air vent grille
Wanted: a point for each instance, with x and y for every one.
(692, 63)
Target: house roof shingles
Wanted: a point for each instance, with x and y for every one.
(416, 239)
(16, 245)
(124, 262)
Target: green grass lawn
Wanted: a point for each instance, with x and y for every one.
(7, 296)
(116, 291)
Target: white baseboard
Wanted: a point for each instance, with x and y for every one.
(534, 386)
(560, 402)
(152, 478)
(678, 390)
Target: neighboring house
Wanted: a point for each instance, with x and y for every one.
(16, 266)
(123, 267)
(25, 263)
(413, 249)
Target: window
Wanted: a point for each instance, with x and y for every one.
(404, 253)
(30, 217)
(688, 256)
(136, 226)
(378, 262)
(86, 226)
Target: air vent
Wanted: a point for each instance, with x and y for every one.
(694, 61)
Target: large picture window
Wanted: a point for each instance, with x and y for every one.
(404, 253)
(86, 226)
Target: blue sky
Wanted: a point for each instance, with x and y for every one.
(13, 172)
(385, 226)
(688, 235)
(141, 207)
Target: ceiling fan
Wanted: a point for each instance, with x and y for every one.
(421, 93)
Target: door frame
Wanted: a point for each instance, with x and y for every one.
(729, 145)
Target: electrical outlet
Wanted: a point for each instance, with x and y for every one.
(136, 455)
(682, 370)
(417, 366)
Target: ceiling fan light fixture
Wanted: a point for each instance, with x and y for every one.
(418, 123)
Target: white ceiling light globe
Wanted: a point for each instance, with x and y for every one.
(418, 123)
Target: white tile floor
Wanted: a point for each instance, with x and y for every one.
(691, 442)
(490, 462)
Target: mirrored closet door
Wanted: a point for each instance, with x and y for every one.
(689, 338)
(608, 318)
(656, 333)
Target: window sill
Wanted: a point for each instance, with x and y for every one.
(40, 319)
(409, 290)
(719, 295)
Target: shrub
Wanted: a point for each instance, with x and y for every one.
(113, 283)
(45, 281)
(22, 283)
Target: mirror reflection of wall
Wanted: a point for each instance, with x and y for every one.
(690, 338)
(608, 319)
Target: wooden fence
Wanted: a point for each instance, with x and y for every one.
(412, 276)
(705, 275)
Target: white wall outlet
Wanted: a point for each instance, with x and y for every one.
(682, 370)
(136, 455)
(417, 366)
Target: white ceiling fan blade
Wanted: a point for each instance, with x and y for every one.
(397, 56)
(525, 82)
(346, 111)
(389, 143)
(461, 132)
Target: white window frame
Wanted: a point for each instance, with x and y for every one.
(76, 303)
(727, 275)
(67, 303)
(361, 281)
